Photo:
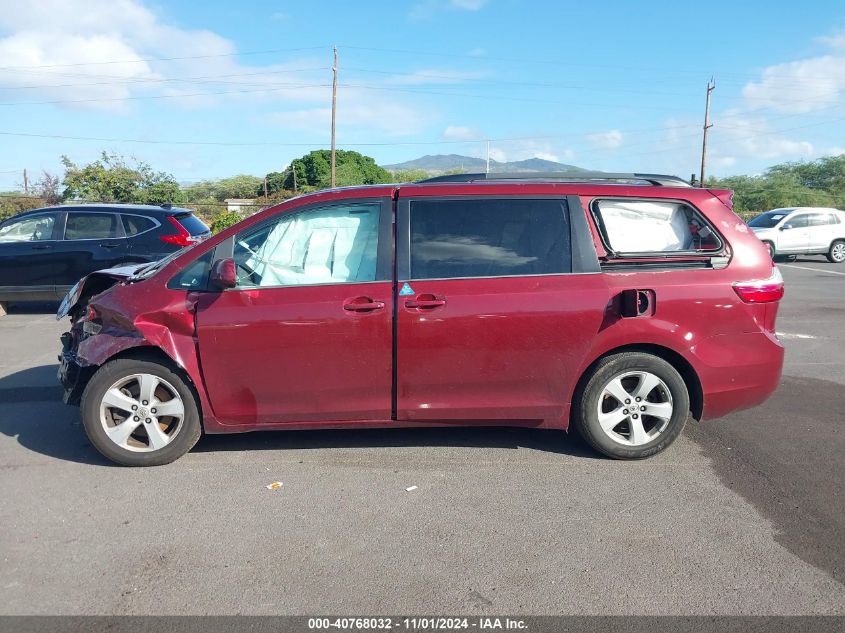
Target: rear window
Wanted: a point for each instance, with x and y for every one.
(134, 224)
(489, 238)
(192, 224)
(653, 226)
(90, 226)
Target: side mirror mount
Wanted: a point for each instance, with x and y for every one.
(223, 273)
(785, 227)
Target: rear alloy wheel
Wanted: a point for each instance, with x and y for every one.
(139, 413)
(634, 405)
(836, 254)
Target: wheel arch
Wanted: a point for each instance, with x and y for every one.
(154, 354)
(682, 365)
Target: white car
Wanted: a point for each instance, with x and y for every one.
(802, 231)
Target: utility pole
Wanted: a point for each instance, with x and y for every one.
(707, 125)
(488, 157)
(25, 184)
(293, 167)
(265, 186)
(334, 112)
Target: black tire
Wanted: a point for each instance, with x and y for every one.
(586, 419)
(836, 254)
(108, 375)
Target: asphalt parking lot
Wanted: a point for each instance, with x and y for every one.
(743, 515)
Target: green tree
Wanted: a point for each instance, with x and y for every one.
(113, 179)
(240, 186)
(275, 184)
(314, 170)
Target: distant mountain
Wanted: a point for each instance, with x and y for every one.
(440, 163)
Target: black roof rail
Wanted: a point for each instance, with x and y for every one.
(582, 176)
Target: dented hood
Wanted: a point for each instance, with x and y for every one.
(97, 281)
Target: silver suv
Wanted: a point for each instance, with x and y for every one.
(802, 231)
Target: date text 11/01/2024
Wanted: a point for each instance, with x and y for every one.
(417, 623)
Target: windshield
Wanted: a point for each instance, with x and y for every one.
(149, 271)
(767, 220)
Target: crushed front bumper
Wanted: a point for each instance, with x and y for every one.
(71, 374)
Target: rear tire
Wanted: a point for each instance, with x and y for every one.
(612, 420)
(836, 254)
(770, 247)
(140, 413)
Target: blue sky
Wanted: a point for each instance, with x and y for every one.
(243, 87)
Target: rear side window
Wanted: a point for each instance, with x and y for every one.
(134, 224)
(90, 226)
(653, 226)
(192, 224)
(489, 238)
(822, 219)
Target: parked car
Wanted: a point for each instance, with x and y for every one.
(44, 252)
(802, 231)
(616, 305)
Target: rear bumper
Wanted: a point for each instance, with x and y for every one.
(738, 371)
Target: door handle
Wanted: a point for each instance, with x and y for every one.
(107, 245)
(41, 247)
(425, 301)
(362, 304)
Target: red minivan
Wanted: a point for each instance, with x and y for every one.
(617, 304)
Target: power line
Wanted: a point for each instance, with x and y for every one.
(165, 59)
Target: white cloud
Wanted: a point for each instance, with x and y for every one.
(461, 133)
(798, 87)
(354, 116)
(427, 8)
(468, 5)
(279, 16)
(754, 138)
(607, 140)
(836, 40)
(835, 151)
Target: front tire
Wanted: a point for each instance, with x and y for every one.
(140, 413)
(633, 405)
(836, 254)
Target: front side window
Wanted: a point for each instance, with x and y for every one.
(798, 222)
(488, 237)
(653, 226)
(90, 226)
(36, 228)
(767, 220)
(334, 244)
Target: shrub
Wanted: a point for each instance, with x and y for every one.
(223, 220)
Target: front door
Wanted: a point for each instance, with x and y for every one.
(492, 324)
(794, 235)
(28, 259)
(306, 335)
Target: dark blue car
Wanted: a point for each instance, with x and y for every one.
(44, 252)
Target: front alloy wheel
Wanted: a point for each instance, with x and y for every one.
(837, 252)
(140, 413)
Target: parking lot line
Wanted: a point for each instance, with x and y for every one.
(818, 270)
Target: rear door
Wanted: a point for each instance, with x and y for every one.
(306, 334)
(821, 231)
(497, 301)
(93, 240)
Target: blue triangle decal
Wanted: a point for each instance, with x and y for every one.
(406, 290)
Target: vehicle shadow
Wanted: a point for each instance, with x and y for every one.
(32, 307)
(32, 411)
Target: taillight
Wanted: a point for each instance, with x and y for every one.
(761, 290)
(182, 238)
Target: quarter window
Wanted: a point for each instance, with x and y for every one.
(654, 226)
(822, 219)
(489, 238)
(134, 224)
(90, 226)
(36, 228)
(336, 244)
